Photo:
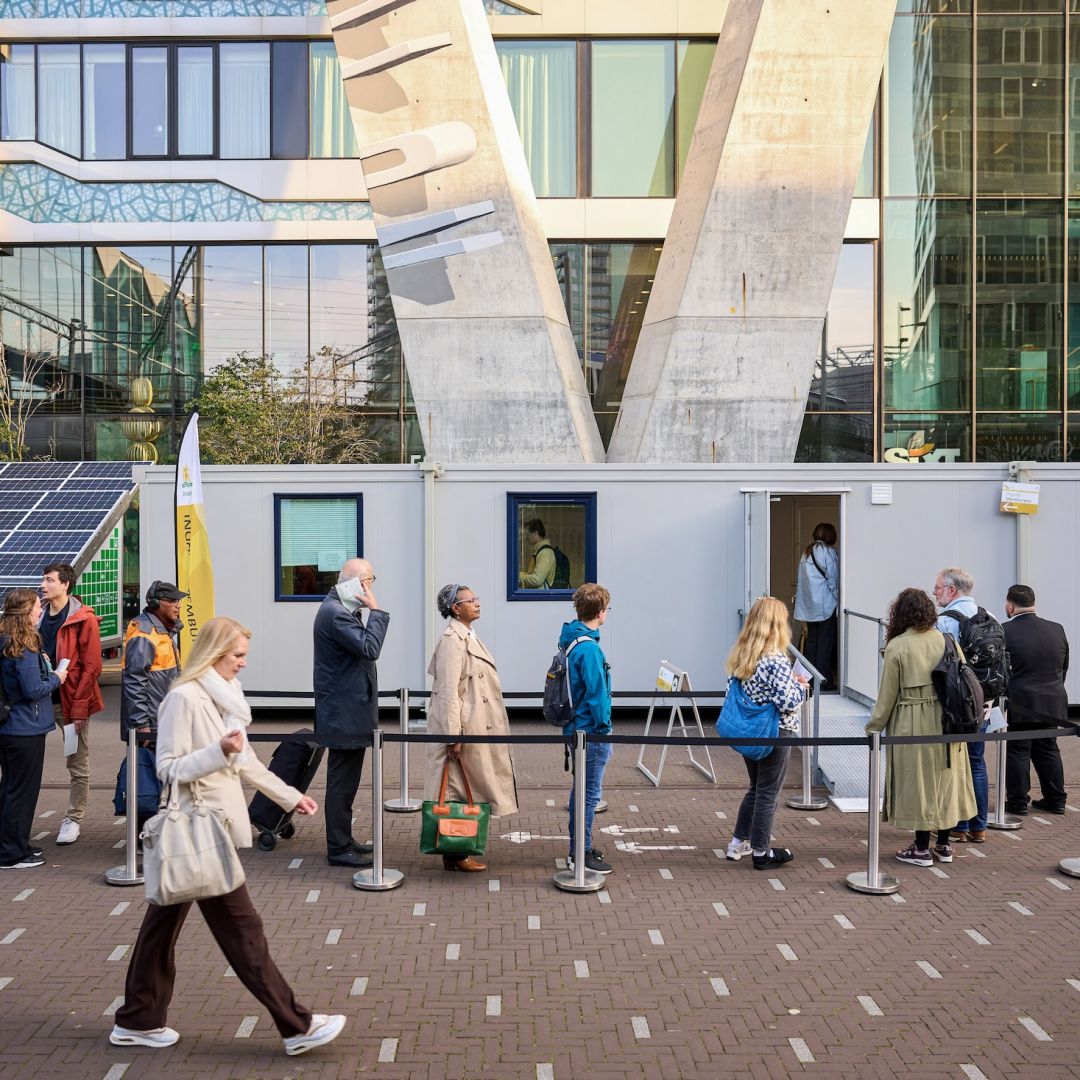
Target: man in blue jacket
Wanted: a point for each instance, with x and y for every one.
(590, 690)
(347, 699)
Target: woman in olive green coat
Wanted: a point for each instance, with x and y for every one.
(927, 785)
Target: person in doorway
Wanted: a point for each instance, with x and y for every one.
(466, 699)
(542, 572)
(1039, 656)
(760, 663)
(927, 785)
(201, 737)
(817, 597)
(69, 631)
(28, 687)
(590, 691)
(347, 699)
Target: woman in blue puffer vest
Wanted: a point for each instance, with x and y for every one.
(28, 685)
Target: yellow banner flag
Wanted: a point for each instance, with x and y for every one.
(194, 570)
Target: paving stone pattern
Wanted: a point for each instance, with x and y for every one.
(710, 971)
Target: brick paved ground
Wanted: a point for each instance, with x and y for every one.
(686, 966)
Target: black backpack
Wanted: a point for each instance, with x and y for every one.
(982, 638)
(561, 580)
(959, 692)
(558, 707)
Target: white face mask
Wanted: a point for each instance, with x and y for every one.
(350, 593)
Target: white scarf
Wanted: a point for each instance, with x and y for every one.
(228, 696)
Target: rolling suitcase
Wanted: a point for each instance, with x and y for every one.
(296, 763)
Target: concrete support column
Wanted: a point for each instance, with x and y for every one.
(726, 354)
(489, 351)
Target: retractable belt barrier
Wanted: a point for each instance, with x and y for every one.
(578, 878)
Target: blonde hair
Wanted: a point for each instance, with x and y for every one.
(215, 639)
(766, 630)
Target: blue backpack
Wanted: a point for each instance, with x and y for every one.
(742, 718)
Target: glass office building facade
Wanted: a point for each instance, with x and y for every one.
(954, 307)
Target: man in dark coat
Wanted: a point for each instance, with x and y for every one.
(1039, 655)
(347, 699)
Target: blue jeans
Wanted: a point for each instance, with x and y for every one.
(597, 755)
(981, 783)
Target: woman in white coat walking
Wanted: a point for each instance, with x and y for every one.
(466, 699)
(201, 738)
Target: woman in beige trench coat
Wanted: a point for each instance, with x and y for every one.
(466, 699)
(927, 785)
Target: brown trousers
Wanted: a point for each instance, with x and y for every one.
(238, 930)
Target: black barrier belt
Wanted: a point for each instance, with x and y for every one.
(694, 740)
(511, 695)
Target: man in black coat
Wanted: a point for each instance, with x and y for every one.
(1039, 655)
(347, 699)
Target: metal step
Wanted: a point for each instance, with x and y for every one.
(843, 768)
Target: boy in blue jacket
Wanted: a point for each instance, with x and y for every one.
(590, 690)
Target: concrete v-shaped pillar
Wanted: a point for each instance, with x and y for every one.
(491, 358)
(726, 353)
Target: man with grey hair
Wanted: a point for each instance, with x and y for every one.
(347, 699)
(968, 623)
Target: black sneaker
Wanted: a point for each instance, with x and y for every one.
(776, 856)
(27, 862)
(594, 860)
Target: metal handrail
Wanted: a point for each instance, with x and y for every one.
(817, 679)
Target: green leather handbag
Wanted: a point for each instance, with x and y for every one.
(454, 828)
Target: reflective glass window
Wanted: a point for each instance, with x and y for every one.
(17, 92)
(288, 100)
(245, 99)
(551, 545)
(836, 437)
(1020, 106)
(633, 131)
(331, 124)
(286, 294)
(986, 6)
(1074, 106)
(1018, 304)
(541, 80)
(934, 7)
(1019, 437)
(232, 313)
(926, 146)
(104, 102)
(1072, 391)
(59, 107)
(149, 102)
(926, 438)
(926, 304)
(865, 185)
(694, 61)
(195, 101)
(315, 535)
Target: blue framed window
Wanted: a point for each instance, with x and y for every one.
(313, 536)
(550, 544)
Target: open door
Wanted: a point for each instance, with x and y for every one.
(756, 547)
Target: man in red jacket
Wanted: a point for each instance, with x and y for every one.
(69, 631)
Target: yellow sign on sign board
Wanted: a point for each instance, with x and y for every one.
(1019, 498)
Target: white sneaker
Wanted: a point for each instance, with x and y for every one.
(323, 1029)
(156, 1037)
(737, 849)
(69, 832)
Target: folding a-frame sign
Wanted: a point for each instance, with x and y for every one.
(669, 680)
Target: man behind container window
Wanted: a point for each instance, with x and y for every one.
(542, 573)
(1039, 655)
(69, 631)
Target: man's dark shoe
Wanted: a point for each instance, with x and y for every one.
(1046, 807)
(1020, 811)
(351, 858)
(774, 857)
(362, 849)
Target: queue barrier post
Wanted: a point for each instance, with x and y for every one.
(404, 804)
(1000, 820)
(807, 800)
(129, 873)
(1070, 867)
(873, 881)
(579, 880)
(378, 878)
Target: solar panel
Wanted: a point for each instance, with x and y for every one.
(20, 500)
(53, 511)
(27, 540)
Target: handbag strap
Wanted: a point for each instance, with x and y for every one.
(446, 778)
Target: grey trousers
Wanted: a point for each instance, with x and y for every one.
(758, 807)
